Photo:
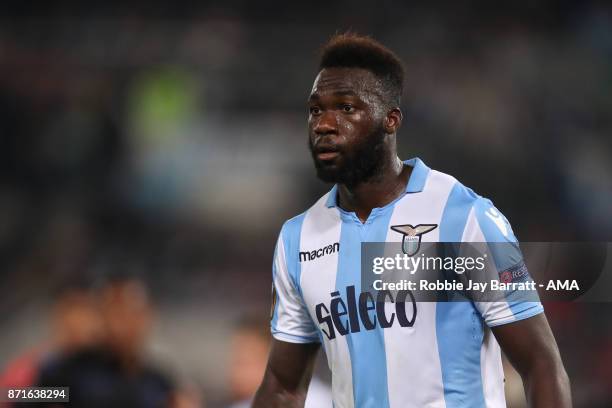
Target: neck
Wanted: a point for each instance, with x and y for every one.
(382, 190)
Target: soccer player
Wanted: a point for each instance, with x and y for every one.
(396, 353)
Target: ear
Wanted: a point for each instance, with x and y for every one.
(393, 120)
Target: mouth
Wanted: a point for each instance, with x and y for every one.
(327, 156)
(326, 153)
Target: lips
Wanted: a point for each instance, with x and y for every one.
(327, 155)
(326, 152)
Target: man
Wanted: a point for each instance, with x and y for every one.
(445, 356)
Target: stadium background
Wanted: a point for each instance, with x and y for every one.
(169, 143)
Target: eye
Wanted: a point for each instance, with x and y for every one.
(314, 110)
(348, 108)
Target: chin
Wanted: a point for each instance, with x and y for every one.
(327, 177)
(328, 173)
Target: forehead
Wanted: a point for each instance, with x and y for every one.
(345, 80)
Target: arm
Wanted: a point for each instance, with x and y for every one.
(531, 348)
(287, 375)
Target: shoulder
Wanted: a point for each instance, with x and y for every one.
(452, 198)
(56, 367)
(464, 208)
(454, 191)
(480, 212)
(458, 194)
(157, 380)
(320, 210)
(292, 226)
(492, 222)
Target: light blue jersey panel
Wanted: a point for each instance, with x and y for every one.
(290, 320)
(366, 347)
(504, 248)
(459, 327)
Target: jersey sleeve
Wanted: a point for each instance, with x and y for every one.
(290, 319)
(487, 225)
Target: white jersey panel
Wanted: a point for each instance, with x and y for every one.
(492, 371)
(407, 386)
(290, 319)
(492, 312)
(321, 228)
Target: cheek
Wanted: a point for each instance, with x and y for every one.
(346, 127)
(311, 124)
(350, 127)
(356, 128)
(311, 133)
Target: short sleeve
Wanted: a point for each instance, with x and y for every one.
(488, 225)
(290, 319)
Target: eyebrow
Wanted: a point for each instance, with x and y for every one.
(336, 93)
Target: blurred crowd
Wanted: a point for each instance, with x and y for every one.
(96, 348)
(168, 144)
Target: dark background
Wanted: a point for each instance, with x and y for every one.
(168, 142)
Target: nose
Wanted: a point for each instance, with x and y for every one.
(326, 124)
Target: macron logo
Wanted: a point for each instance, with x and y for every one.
(317, 253)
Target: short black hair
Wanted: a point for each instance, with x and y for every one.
(350, 50)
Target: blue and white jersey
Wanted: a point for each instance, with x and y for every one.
(445, 355)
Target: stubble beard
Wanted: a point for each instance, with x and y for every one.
(364, 163)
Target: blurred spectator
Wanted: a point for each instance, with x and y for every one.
(249, 348)
(114, 373)
(76, 324)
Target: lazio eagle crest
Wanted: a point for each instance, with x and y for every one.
(411, 242)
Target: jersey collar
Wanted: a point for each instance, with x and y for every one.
(415, 184)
